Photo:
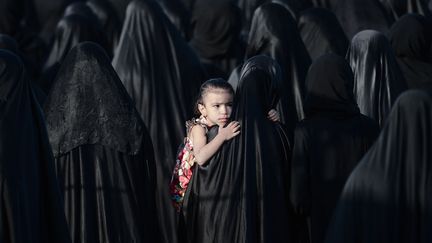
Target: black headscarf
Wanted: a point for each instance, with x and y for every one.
(162, 75)
(274, 33)
(322, 33)
(378, 80)
(358, 15)
(328, 143)
(104, 156)
(216, 29)
(32, 209)
(329, 84)
(411, 38)
(246, 182)
(387, 198)
(398, 8)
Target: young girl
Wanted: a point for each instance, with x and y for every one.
(214, 107)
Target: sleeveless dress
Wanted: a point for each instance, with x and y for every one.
(185, 161)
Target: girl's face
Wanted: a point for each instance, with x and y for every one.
(216, 107)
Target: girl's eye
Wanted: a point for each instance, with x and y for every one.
(229, 104)
(217, 106)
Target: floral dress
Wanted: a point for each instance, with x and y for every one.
(183, 169)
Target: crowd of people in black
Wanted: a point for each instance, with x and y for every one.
(307, 121)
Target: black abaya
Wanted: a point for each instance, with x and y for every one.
(411, 38)
(322, 33)
(274, 33)
(241, 194)
(358, 15)
(328, 143)
(31, 205)
(109, 20)
(378, 79)
(216, 36)
(387, 198)
(104, 156)
(162, 75)
(398, 8)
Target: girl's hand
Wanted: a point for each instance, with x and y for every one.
(230, 131)
(273, 115)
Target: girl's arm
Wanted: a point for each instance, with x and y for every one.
(203, 151)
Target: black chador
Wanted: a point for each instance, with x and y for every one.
(103, 153)
(328, 143)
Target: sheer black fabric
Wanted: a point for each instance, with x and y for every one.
(216, 35)
(358, 15)
(398, 8)
(411, 38)
(322, 33)
(77, 25)
(104, 156)
(387, 197)
(378, 79)
(109, 20)
(241, 194)
(163, 75)
(31, 205)
(328, 143)
(274, 33)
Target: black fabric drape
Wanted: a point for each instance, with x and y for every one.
(329, 4)
(19, 20)
(8, 43)
(328, 143)
(378, 79)
(387, 197)
(398, 8)
(241, 194)
(178, 14)
(216, 29)
(163, 75)
(358, 15)
(322, 33)
(104, 156)
(274, 33)
(31, 205)
(411, 38)
(77, 25)
(109, 21)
